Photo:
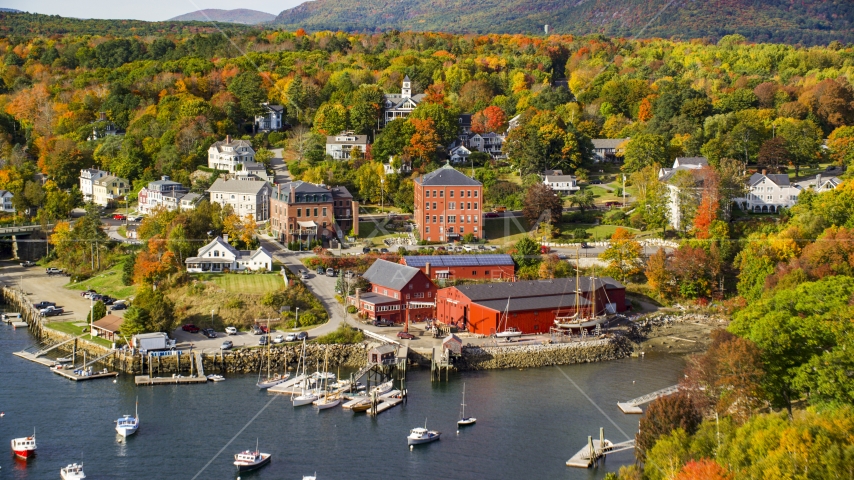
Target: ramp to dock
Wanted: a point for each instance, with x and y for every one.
(633, 406)
(111, 352)
(389, 400)
(57, 345)
(200, 368)
(146, 380)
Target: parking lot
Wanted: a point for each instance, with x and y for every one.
(198, 341)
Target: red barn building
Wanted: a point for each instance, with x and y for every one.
(448, 205)
(531, 306)
(393, 287)
(464, 267)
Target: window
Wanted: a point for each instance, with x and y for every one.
(468, 205)
(462, 230)
(426, 229)
(419, 295)
(434, 205)
(452, 218)
(450, 229)
(315, 211)
(299, 212)
(468, 218)
(324, 211)
(385, 291)
(441, 193)
(429, 294)
(427, 193)
(475, 205)
(427, 206)
(468, 193)
(475, 221)
(407, 296)
(452, 194)
(411, 286)
(475, 196)
(441, 219)
(486, 272)
(462, 194)
(452, 205)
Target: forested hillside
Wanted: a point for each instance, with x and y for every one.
(29, 24)
(238, 15)
(814, 22)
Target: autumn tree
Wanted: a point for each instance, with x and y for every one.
(644, 150)
(490, 119)
(623, 255)
(154, 263)
(424, 142)
(704, 469)
(707, 211)
(330, 119)
(658, 275)
(773, 153)
(542, 204)
(841, 145)
(664, 415)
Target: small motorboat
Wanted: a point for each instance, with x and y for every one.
(249, 460)
(25, 447)
(361, 407)
(215, 378)
(420, 435)
(128, 425)
(383, 388)
(72, 472)
(310, 477)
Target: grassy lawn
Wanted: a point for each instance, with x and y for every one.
(596, 232)
(108, 282)
(252, 284)
(72, 329)
(602, 194)
(368, 229)
(505, 230)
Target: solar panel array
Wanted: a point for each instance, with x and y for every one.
(485, 260)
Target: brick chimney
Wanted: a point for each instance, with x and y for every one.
(358, 297)
(228, 139)
(764, 171)
(818, 181)
(427, 268)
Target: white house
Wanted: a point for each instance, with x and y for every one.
(460, 154)
(405, 167)
(219, 256)
(682, 191)
(820, 183)
(271, 119)
(103, 128)
(563, 184)
(87, 180)
(605, 149)
(401, 105)
(246, 197)
(230, 155)
(684, 163)
(155, 195)
(190, 201)
(768, 193)
(342, 145)
(6, 199)
(490, 143)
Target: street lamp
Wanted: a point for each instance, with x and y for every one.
(382, 195)
(296, 321)
(213, 311)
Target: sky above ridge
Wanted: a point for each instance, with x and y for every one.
(151, 10)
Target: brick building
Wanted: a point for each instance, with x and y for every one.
(305, 211)
(532, 306)
(448, 205)
(464, 267)
(393, 286)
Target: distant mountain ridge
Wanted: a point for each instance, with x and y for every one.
(238, 15)
(786, 21)
(9, 10)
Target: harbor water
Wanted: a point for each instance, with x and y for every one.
(529, 422)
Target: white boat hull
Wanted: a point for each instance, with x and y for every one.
(324, 404)
(421, 440)
(126, 432)
(466, 421)
(508, 334)
(304, 400)
(272, 383)
(72, 472)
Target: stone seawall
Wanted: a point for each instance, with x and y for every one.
(532, 356)
(248, 361)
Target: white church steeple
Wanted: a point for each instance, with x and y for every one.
(406, 92)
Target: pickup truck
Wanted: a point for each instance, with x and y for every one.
(54, 271)
(43, 305)
(51, 311)
(28, 264)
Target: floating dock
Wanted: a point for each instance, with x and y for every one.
(176, 380)
(389, 400)
(633, 406)
(355, 401)
(288, 387)
(33, 358)
(20, 324)
(585, 458)
(69, 374)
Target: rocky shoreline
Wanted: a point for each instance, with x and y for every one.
(544, 355)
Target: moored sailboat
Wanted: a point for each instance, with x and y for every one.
(506, 332)
(464, 420)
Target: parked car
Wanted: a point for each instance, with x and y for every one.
(51, 311)
(231, 330)
(87, 293)
(320, 271)
(440, 249)
(290, 337)
(500, 209)
(545, 249)
(119, 305)
(136, 219)
(491, 215)
(54, 271)
(28, 264)
(586, 245)
(209, 332)
(95, 297)
(265, 329)
(330, 272)
(596, 182)
(493, 247)
(405, 335)
(349, 274)
(190, 328)
(383, 322)
(383, 250)
(107, 300)
(469, 248)
(262, 340)
(303, 274)
(226, 345)
(256, 330)
(302, 336)
(278, 339)
(481, 247)
(42, 305)
(366, 250)
(119, 216)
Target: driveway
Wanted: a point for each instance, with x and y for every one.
(280, 169)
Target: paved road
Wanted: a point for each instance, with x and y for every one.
(280, 169)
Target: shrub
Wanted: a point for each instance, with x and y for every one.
(351, 309)
(234, 303)
(344, 334)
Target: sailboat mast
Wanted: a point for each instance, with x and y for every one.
(577, 283)
(593, 282)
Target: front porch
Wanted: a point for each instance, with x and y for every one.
(209, 265)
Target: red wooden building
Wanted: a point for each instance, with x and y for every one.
(531, 305)
(395, 288)
(464, 267)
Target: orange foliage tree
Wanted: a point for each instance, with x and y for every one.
(425, 141)
(155, 263)
(704, 469)
(490, 119)
(645, 110)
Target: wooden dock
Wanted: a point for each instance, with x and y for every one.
(389, 400)
(33, 358)
(355, 401)
(69, 374)
(19, 324)
(633, 406)
(585, 458)
(176, 380)
(290, 387)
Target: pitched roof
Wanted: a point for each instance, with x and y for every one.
(696, 162)
(533, 288)
(218, 241)
(390, 275)
(341, 193)
(488, 260)
(275, 108)
(302, 188)
(447, 176)
(234, 144)
(534, 303)
(558, 178)
(253, 187)
(605, 143)
(549, 173)
(110, 323)
(780, 179)
(345, 139)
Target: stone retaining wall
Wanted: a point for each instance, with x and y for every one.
(532, 356)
